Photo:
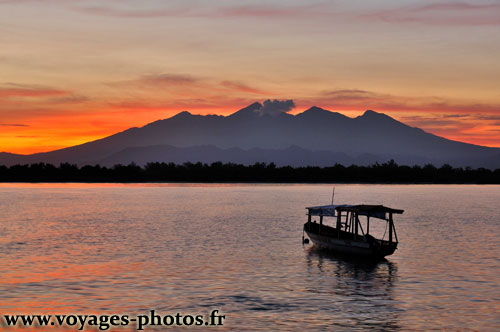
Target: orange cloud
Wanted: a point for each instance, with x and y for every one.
(167, 90)
(43, 124)
(356, 99)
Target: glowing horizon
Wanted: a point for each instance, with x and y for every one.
(76, 71)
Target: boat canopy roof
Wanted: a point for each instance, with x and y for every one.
(376, 211)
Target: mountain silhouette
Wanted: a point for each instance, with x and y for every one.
(313, 137)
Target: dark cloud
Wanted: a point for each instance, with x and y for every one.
(352, 95)
(13, 125)
(488, 117)
(446, 13)
(179, 85)
(275, 107)
(273, 11)
(456, 115)
(242, 87)
(158, 81)
(362, 99)
(17, 1)
(70, 99)
(26, 90)
(161, 79)
(187, 10)
(133, 13)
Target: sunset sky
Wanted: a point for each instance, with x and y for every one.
(73, 71)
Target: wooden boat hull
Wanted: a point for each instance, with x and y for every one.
(351, 247)
(347, 235)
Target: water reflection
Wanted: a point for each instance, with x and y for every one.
(130, 249)
(362, 292)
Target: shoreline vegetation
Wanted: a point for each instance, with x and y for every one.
(219, 172)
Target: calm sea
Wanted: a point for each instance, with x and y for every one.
(116, 249)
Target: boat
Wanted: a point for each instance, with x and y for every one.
(348, 235)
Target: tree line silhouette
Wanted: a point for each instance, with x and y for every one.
(388, 172)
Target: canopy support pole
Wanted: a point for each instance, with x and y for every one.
(339, 224)
(391, 226)
(362, 231)
(395, 234)
(356, 222)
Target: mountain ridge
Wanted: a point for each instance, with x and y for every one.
(255, 127)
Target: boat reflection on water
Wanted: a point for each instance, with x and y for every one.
(360, 292)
